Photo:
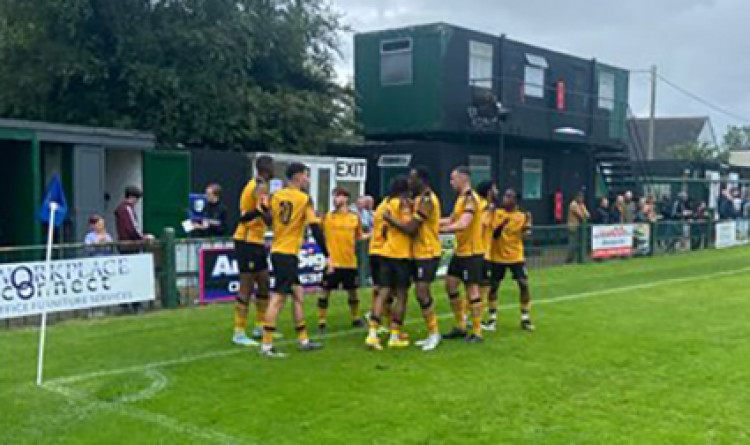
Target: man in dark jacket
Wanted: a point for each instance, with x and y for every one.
(601, 214)
(128, 233)
(214, 223)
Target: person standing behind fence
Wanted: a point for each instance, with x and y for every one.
(617, 213)
(578, 215)
(129, 234)
(365, 205)
(214, 224)
(601, 213)
(629, 208)
(98, 241)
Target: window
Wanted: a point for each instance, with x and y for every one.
(480, 168)
(480, 64)
(386, 161)
(532, 179)
(533, 76)
(606, 90)
(396, 62)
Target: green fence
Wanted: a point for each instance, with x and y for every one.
(177, 261)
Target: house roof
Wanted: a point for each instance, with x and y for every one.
(76, 134)
(669, 132)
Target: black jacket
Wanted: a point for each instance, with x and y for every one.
(216, 217)
(601, 215)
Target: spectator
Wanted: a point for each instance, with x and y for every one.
(214, 224)
(601, 214)
(665, 207)
(641, 213)
(578, 214)
(98, 241)
(128, 232)
(726, 207)
(617, 212)
(681, 209)
(737, 202)
(629, 208)
(365, 206)
(746, 204)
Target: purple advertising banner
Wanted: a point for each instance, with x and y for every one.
(219, 278)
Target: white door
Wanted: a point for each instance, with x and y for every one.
(321, 186)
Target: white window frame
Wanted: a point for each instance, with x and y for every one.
(606, 90)
(481, 64)
(534, 76)
(394, 160)
(409, 50)
(532, 165)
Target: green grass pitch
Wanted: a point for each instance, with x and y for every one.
(639, 351)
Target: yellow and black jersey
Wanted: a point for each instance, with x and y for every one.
(486, 214)
(508, 249)
(426, 243)
(397, 245)
(253, 195)
(342, 230)
(291, 212)
(377, 242)
(469, 240)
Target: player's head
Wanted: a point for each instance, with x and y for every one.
(460, 178)
(419, 179)
(298, 174)
(340, 198)
(488, 190)
(264, 166)
(510, 199)
(213, 193)
(399, 186)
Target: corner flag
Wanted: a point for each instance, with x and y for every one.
(55, 194)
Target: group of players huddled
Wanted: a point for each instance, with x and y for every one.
(405, 247)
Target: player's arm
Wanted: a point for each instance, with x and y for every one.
(464, 221)
(313, 222)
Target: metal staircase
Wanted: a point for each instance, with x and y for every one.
(623, 167)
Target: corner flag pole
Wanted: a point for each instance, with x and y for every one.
(43, 328)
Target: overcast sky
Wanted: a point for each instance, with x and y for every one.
(702, 45)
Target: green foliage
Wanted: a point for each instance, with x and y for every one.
(252, 74)
(644, 351)
(698, 152)
(737, 138)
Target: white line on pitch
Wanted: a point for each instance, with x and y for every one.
(228, 352)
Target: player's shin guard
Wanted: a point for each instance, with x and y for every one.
(476, 316)
(240, 316)
(374, 325)
(458, 312)
(354, 309)
(268, 331)
(429, 316)
(302, 332)
(261, 306)
(322, 312)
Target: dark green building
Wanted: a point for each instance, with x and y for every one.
(529, 117)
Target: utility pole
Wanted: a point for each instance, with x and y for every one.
(652, 119)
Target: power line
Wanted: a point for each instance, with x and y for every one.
(705, 102)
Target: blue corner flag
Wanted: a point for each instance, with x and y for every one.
(56, 194)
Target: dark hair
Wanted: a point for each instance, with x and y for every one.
(399, 186)
(422, 173)
(133, 192)
(264, 163)
(464, 170)
(215, 188)
(295, 168)
(515, 194)
(484, 187)
(93, 219)
(342, 191)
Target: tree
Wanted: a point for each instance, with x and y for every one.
(250, 74)
(737, 138)
(698, 151)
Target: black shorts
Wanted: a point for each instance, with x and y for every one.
(467, 268)
(395, 273)
(486, 274)
(425, 271)
(251, 257)
(285, 272)
(346, 278)
(517, 270)
(375, 269)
